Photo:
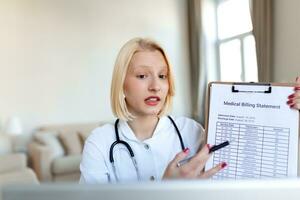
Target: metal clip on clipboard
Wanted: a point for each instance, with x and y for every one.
(247, 87)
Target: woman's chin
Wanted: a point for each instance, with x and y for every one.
(151, 112)
(146, 111)
(154, 111)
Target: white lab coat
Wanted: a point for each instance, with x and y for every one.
(152, 155)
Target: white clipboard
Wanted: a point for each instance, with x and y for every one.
(262, 130)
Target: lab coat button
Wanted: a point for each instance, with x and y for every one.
(147, 146)
(152, 178)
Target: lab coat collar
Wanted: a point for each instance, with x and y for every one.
(127, 132)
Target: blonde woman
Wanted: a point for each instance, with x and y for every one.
(145, 143)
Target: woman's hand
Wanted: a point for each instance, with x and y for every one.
(294, 99)
(192, 169)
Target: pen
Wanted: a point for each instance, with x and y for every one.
(212, 149)
(219, 146)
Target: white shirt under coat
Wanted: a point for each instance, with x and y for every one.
(152, 155)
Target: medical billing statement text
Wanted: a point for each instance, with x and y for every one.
(262, 131)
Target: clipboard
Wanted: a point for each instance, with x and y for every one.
(251, 90)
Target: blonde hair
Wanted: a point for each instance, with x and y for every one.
(124, 57)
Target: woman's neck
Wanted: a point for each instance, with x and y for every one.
(143, 127)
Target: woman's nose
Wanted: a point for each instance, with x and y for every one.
(154, 85)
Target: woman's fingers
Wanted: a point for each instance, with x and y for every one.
(203, 154)
(213, 170)
(295, 105)
(199, 160)
(179, 157)
(172, 170)
(294, 99)
(298, 79)
(191, 168)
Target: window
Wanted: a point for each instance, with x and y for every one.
(235, 41)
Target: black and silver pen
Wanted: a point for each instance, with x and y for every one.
(211, 150)
(219, 146)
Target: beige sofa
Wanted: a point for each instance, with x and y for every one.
(13, 169)
(55, 151)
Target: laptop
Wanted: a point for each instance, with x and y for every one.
(176, 190)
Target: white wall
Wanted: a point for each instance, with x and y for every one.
(57, 56)
(286, 40)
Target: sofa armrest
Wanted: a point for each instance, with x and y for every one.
(13, 162)
(41, 157)
(24, 176)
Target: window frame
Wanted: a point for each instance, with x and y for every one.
(241, 37)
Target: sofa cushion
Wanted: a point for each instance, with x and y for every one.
(66, 164)
(71, 142)
(50, 139)
(23, 176)
(83, 136)
(12, 162)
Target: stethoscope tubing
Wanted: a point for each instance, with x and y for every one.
(128, 147)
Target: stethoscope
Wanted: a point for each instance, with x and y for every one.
(119, 141)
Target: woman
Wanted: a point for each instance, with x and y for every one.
(141, 94)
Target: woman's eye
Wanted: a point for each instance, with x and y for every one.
(162, 76)
(141, 76)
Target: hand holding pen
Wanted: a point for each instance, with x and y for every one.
(183, 167)
(211, 150)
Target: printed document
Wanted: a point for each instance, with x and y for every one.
(261, 128)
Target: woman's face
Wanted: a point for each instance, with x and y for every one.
(146, 83)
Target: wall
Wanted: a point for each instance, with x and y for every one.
(57, 56)
(286, 40)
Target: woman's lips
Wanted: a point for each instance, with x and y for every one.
(152, 100)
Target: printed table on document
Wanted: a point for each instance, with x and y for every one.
(254, 151)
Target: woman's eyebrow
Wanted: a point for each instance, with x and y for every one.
(165, 69)
(162, 67)
(140, 67)
(147, 68)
